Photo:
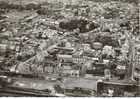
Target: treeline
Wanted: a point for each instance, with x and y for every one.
(130, 1)
(35, 6)
(30, 6)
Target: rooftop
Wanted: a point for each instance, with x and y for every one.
(81, 83)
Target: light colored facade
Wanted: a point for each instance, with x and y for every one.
(66, 1)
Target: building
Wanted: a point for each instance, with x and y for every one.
(64, 58)
(78, 87)
(119, 88)
(97, 69)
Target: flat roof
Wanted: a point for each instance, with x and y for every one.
(81, 83)
(33, 83)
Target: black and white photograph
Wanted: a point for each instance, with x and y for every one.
(69, 48)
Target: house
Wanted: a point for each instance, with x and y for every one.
(1, 59)
(97, 69)
(97, 45)
(64, 58)
(79, 59)
(89, 53)
(108, 51)
(67, 68)
(117, 51)
(4, 48)
(86, 47)
(71, 73)
(120, 70)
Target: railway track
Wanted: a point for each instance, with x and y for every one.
(12, 91)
